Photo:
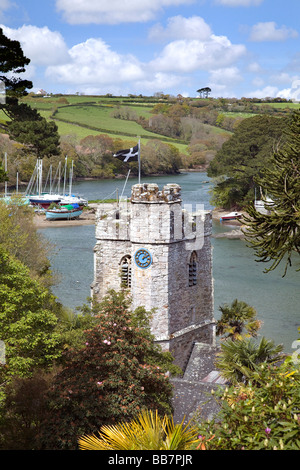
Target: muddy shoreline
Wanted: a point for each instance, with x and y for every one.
(86, 218)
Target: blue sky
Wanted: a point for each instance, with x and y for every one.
(236, 47)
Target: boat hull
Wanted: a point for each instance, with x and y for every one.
(231, 216)
(65, 200)
(57, 214)
(43, 202)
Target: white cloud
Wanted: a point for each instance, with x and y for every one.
(254, 67)
(40, 45)
(292, 93)
(160, 82)
(222, 81)
(226, 76)
(179, 27)
(269, 31)
(190, 55)
(93, 63)
(239, 3)
(95, 68)
(113, 11)
(268, 91)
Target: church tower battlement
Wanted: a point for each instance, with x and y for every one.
(162, 253)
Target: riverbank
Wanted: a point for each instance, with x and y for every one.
(236, 233)
(88, 218)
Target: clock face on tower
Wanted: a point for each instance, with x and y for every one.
(143, 258)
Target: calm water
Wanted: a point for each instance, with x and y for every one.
(236, 274)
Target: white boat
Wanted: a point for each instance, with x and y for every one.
(45, 199)
(231, 216)
(72, 199)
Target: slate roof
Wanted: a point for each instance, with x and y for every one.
(192, 392)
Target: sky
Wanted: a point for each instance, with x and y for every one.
(238, 48)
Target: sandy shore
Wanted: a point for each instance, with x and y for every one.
(41, 222)
(86, 218)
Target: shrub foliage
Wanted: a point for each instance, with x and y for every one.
(111, 379)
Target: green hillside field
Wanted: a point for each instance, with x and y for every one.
(81, 116)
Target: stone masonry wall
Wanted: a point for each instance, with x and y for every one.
(155, 221)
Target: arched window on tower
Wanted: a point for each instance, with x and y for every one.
(193, 269)
(126, 272)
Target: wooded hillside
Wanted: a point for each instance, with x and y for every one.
(175, 133)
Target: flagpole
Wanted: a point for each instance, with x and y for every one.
(139, 159)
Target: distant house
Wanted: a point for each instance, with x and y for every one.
(41, 92)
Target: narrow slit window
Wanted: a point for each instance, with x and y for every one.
(193, 270)
(126, 272)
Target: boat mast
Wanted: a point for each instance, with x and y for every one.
(40, 176)
(31, 181)
(65, 175)
(50, 182)
(71, 178)
(59, 176)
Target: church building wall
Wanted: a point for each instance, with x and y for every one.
(177, 282)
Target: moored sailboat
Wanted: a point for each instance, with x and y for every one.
(45, 199)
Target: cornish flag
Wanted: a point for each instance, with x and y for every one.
(128, 155)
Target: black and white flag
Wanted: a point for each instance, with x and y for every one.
(128, 155)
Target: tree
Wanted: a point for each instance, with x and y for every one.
(38, 135)
(238, 359)
(243, 158)
(3, 174)
(27, 320)
(12, 62)
(18, 235)
(26, 125)
(160, 157)
(236, 318)
(275, 236)
(118, 373)
(23, 410)
(205, 91)
(148, 431)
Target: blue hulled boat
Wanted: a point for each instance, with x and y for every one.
(68, 212)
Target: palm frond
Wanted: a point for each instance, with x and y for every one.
(148, 431)
(239, 359)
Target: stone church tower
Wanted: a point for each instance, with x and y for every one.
(163, 255)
